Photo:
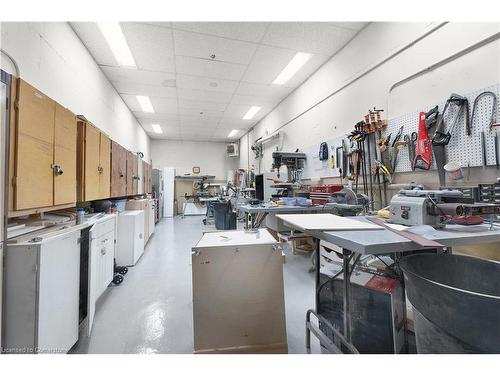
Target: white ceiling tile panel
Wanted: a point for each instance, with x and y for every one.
(203, 46)
(151, 46)
(203, 95)
(209, 68)
(267, 63)
(148, 90)
(201, 112)
(252, 100)
(200, 118)
(202, 105)
(205, 83)
(142, 116)
(312, 37)
(164, 105)
(147, 77)
(268, 92)
(247, 31)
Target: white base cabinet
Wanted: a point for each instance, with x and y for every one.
(238, 299)
(101, 261)
(130, 237)
(41, 293)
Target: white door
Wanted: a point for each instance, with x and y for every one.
(92, 284)
(168, 192)
(59, 293)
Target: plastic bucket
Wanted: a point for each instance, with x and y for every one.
(456, 301)
(454, 171)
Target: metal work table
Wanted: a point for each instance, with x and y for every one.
(356, 243)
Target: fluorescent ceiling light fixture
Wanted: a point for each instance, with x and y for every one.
(293, 67)
(157, 128)
(233, 133)
(251, 112)
(145, 103)
(113, 34)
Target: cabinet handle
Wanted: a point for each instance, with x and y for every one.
(57, 169)
(100, 169)
(103, 251)
(121, 174)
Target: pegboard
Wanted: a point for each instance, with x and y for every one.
(315, 168)
(463, 149)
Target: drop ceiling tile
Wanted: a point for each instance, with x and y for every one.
(252, 100)
(193, 124)
(209, 68)
(151, 46)
(246, 31)
(223, 134)
(92, 38)
(164, 105)
(203, 95)
(313, 37)
(160, 105)
(199, 118)
(203, 105)
(147, 90)
(204, 112)
(208, 84)
(235, 123)
(147, 77)
(165, 124)
(203, 46)
(142, 116)
(267, 92)
(267, 63)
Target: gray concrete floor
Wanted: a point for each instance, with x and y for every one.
(151, 311)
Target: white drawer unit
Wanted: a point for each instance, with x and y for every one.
(130, 237)
(41, 292)
(152, 214)
(238, 299)
(101, 261)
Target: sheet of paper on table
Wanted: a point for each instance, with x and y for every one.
(328, 222)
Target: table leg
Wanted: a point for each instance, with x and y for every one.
(347, 295)
(317, 272)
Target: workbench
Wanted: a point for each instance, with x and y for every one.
(355, 243)
(269, 213)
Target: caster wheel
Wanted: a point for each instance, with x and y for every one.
(117, 279)
(123, 270)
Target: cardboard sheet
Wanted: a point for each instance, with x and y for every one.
(328, 222)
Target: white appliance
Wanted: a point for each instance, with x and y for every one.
(232, 149)
(130, 237)
(101, 261)
(158, 187)
(168, 192)
(152, 214)
(41, 291)
(5, 80)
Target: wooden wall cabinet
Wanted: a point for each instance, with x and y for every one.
(65, 136)
(94, 163)
(43, 152)
(118, 171)
(132, 173)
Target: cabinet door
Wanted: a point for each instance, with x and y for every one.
(118, 170)
(144, 177)
(105, 166)
(130, 173)
(91, 165)
(64, 156)
(136, 174)
(34, 149)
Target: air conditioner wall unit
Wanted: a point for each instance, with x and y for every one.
(232, 149)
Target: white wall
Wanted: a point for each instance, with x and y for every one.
(184, 155)
(52, 58)
(337, 114)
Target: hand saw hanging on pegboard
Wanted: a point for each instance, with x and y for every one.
(423, 155)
